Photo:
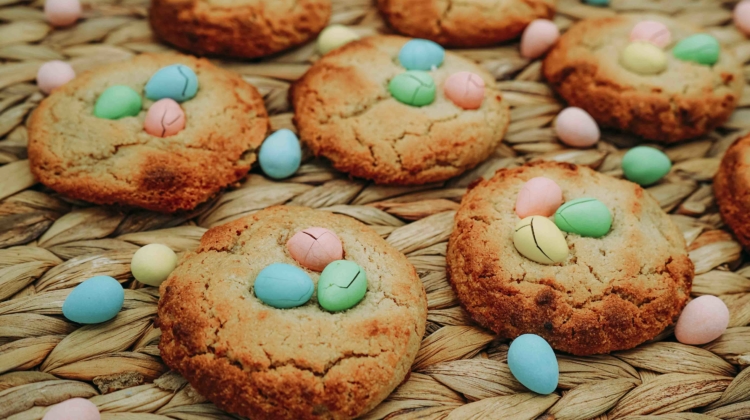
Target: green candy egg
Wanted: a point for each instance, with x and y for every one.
(700, 48)
(585, 217)
(414, 87)
(342, 285)
(645, 165)
(118, 102)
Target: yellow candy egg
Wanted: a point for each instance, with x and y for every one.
(538, 239)
(643, 58)
(153, 263)
(335, 36)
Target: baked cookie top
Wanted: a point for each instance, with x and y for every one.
(300, 363)
(469, 23)
(610, 293)
(345, 112)
(117, 162)
(732, 189)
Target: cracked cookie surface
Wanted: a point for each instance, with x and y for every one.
(610, 293)
(117, 162)
(732, 189)
(299, 363)
(344, 112)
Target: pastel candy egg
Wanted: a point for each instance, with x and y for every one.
(342, 285)
(421, 54)
(703, 320)
(62, 12)
(153, 263)
(741, 16)
(73, 409)
(538, 37)
(539, 196)
(280, 154)
(644, 58)
(645, 165)
(465, 89)
(651, 31)
(539, 240)
(315, 248)
(415, 88)
(118, 102)
(96, 300)
(532, 361)
(283, 286)
(165, 118)
(53, 74)
(585, 217)
(335, 36)
(699, 48)
(597, 2)
(576, 128)
(177, 82)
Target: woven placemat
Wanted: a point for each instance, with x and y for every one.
(49, 244)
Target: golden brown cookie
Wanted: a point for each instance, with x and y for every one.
(684, 101)
(300, 363)
(345, 112)
(238, 28)
(732, 189)
(116, 162)
(610, 293)
(467, 23)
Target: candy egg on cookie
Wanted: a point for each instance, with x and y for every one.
(651, 31)
(94, 301)
(165, 118)
(584, 216)
(465, 89)
(178, 82)
(414, 87)
(341, 286)
(315, 248)
(698, 48)
(538, 37)
(283, 286)
(118, 102)
(53, 74)
(421, 54)
(539, 196)
(644, 58)
(539, 240)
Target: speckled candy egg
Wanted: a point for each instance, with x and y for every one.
(465, 89)
(96, 300)
(584, 216)
(414, 87)
(315, 248)
(421, 54)
(153, 263)
(539, 196)
(532, 361)
(283, 286)
(741, 16)
(280, 154)
(645, 165)
(165, 118)
(73, 409)
(651, 31)
(177, 82)
(341, 286)
(703, 320)
(62, 12)
(539, 240)
(53, 74)
(538, 38)
(576, 128)
(334, 37)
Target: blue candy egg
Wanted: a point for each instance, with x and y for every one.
(177, 82)
(283, 286)
(421, 54)
(280, 154)
(96, 300)
(533, 363)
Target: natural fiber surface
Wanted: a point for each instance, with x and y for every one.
(50, 244)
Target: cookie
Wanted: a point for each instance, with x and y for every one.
(115, 161)
(345, 112)
(732, 189)
(238, 28)
(470, 23)
(300, 363)
(610, 293)
(685, 100)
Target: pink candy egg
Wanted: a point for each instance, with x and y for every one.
(315, 248)
(538, 37)
(656, 33)
(53, 74)
(703, 320)
(742, 16)
(465, 89)
(62, 12)
(539, 197)
(165, 118)
(576, 128)
(73, 409)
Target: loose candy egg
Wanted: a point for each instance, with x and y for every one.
(415, 88)
(644, 58)
(73, 409)
(741, 16)
(651, 31)
(118, 102)
(62, 12)
(576, 128)
(153, 263)
(315, 248)
(465, 89)
(597, 2)
(283, 286)
(280, 154)
(645, 165)
(96, 300)
(53, 74)
(703, 320)
(532, 361)
(585, 217)
(421, 54)
(177, 82)
(165, 118)
(539, 240)
(539, 196)
(342, 285)
(538, 37)
(335, 36)
(699, 48)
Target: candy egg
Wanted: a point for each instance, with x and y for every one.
(165, 118)
(576, 128)
(153, 263)
(342, 285)
(597, 2)
(703, 320)
(177, 82)
(532, 361)
(585, 217)
(73, 409)
(643, 57)
(280, 154)
(699, 48)
(315, 248)
(539, 196)
(96, 300)
(283, 286)
(538, 37)
(53, 74)
(539, 240)
(335, 36)
(415, 88)
(651, 31)
(62, 12)
(465, 89)
(645, 165)
(118, 102)
(421, 54)
(741, 16)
